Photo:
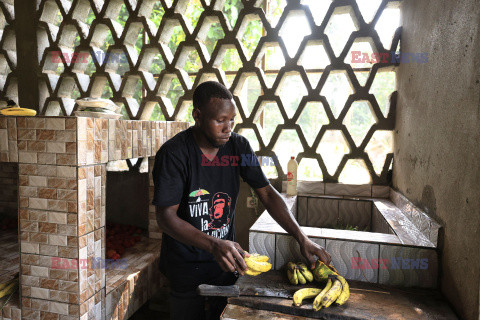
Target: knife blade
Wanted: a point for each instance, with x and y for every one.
(235, 291)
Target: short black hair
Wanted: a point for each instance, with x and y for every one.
(207, 90)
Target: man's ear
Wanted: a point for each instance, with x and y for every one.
(196, 114)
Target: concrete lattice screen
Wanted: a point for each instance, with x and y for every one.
(8, 53)
(127, 42)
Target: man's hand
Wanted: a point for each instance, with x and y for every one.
(308, 248)
(229, 256)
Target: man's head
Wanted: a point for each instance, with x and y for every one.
(214, 112)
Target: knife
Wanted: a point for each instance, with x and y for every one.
(236, 291)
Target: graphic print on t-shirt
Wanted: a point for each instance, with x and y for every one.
(211, 213)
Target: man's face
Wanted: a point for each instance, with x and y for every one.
(216, 120)
(219, 205)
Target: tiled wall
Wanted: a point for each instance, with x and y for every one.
(420, 219)
(8, 140)
(128, 289)
(62, 188)
(329, 212)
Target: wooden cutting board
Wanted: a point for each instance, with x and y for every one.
(367, 301)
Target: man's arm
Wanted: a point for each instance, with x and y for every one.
(278, 209)
(226, 253)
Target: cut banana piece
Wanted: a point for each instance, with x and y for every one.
(252, 273)
(258, 265)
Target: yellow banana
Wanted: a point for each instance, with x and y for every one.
(345, 294)
(17, 111)
(301, 278)
(304, 293)
(305, 272)
(261, 266)
(8, 289)
(317, 303)
(257, 257)
(291, 277)
(252, 273)
(332, 294)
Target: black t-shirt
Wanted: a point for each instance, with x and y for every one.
(205, 190)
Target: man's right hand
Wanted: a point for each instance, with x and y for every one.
(229, 256)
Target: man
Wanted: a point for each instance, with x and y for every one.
(197, 177)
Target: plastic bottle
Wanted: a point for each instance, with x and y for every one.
(292, 167)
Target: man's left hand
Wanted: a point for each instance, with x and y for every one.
(310, 249)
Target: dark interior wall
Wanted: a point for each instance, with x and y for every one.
(127, 198)
(437, 135)
(8, 190)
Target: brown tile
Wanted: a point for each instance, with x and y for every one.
(57, 205)
(66, 136)
(73, 298)
(57, 183)
(37, 146)
(46, 135)
(45, 315)
(24, 236)
(82, 173)
(70, 124)
(36, 123)
(72, 241)
(71, 147)
(67, 195)
(47, 227)
(51, 284)
(39, 237)
(46, 158)
(59, 274)
(27, 134)
(21, 122)
(40, 216)
(22, 145)
(48, 250)
(26, 302)
(72, 218)
(23, 202)
(29, 226)
(47, 193)
(72, 206)
(68, 252)
(66, 159)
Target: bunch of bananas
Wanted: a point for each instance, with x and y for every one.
(298, 273)
(336, 288)
(256, 264)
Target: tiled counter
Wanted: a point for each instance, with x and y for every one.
(393, 250)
